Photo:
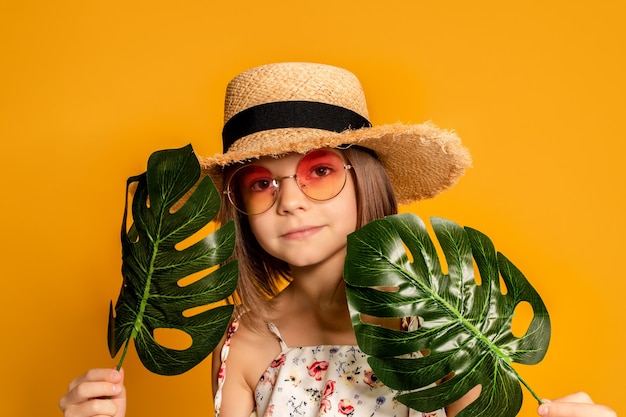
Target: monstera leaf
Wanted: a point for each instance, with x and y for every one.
(154, 263)
(392, 270)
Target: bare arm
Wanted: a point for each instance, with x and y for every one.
(463, 402)
(248, 355)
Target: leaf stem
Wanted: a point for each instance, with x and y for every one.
(119, 364)
(520, 379)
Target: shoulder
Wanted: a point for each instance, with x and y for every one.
(249, 352)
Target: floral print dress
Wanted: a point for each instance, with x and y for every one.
(327, 380)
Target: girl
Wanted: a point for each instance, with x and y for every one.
(302, 169)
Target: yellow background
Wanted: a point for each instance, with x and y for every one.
(88, 89)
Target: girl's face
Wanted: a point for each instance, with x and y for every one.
(301, 231)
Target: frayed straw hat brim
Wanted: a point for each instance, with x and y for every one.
(421, 159)
(275, 109)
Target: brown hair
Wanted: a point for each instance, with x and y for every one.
(262, 276)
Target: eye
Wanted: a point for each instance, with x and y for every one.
(319, 166)
(259, 185)
(253, 179)
(321, 171)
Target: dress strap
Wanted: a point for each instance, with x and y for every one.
(217, 401)
(221, 378)
(275, 332)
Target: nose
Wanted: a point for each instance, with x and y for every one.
(290, 197)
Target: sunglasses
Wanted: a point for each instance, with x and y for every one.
(320, 174)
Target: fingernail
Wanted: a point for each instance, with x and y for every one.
(542, 410)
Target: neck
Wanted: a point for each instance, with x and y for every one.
(320, 286)
(313, 310)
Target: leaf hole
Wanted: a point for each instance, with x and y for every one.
(196, 276)
(447, 377)
(441, 257)
(471, 396)
(477, 278)
(408, 252)
(196, 237)
(181, 202)
(522, 317)
(467, 398)
(194, 311)
(503, 288)
(173, 338)
(386, 322)
(130, 221)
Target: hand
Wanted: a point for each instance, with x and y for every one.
(98, 392)
(575, 405)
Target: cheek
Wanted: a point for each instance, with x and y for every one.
(349, 207)
(263, 229)
(257, 227)
(353, 217)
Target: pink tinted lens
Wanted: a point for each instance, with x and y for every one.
(321, 174)
(252, 189)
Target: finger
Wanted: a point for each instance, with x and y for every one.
(98, 374)
(574, 409)
(93, 408)
(579, 397)
(85, 391)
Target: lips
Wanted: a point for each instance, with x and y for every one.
(301, 232)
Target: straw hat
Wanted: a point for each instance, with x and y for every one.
(296, 107)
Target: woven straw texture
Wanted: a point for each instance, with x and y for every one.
(421, 159)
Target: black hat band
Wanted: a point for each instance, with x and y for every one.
(290, 114)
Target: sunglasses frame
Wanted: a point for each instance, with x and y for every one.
(276, 180)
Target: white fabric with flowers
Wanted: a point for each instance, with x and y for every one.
(331, 381)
